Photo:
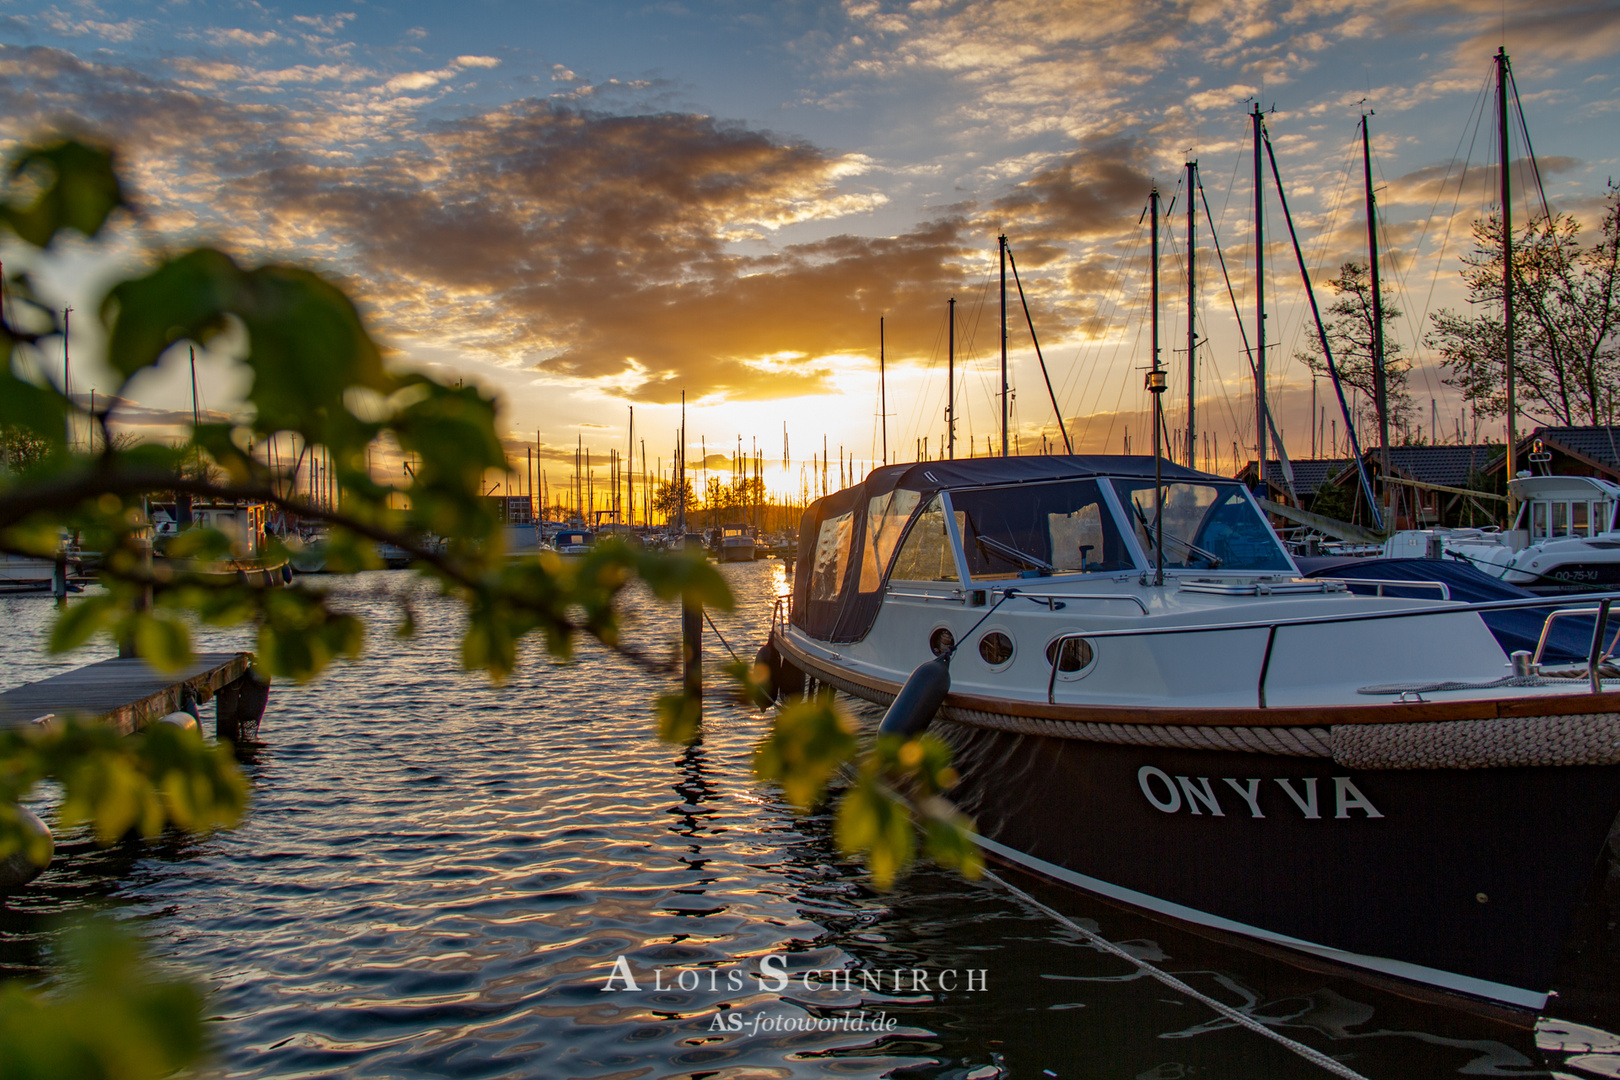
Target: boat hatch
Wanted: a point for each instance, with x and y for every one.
(1261, 588)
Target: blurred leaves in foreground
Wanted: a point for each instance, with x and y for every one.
(897, 787)
(110, 1016)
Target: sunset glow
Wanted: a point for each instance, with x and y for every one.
(593, 207)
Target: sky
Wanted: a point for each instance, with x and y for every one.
(589, 207)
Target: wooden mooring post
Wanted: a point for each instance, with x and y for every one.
(692, 651)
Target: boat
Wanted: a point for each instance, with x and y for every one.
(1147, 701)
(573, 541)
(1565, 538)
(243, 523)
(736, 544)
(26, 573)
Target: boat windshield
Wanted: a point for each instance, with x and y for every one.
(1206, 526)
(1038, 529)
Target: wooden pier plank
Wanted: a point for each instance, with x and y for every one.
(128, 693)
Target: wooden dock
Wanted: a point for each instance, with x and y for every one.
(130, 694)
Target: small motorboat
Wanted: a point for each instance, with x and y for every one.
(574, 541)
(1565, 539)
(736, 544)
(1147, 701)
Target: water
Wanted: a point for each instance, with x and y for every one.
(438, 875)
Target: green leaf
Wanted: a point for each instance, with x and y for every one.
(79, 189)
(185, 298)
(35, 408)
(114, 1017)
(680, 719)
(307, 347)
(752, 681)
(948, 838)
(808, 742)
(873, 822)
(687, 575)
(80, 620)
(164, 642)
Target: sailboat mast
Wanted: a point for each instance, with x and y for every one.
(681, 476)
(950, 380)
(1155, 385)
(1259, 311)
(1001, 247)
(1380, 383)
(1507, 260)
(883, 401)
(1192, 333)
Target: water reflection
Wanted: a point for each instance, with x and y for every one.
(439, 877)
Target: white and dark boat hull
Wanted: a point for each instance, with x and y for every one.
(1476, 903)
(1380, 869)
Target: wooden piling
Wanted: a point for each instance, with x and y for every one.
(692, 650)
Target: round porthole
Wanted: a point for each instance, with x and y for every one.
(940, 641)
(996, 648)
(1075, 659)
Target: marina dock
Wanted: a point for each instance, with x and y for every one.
(130, 693)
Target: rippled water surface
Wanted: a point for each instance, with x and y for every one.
(438, 875)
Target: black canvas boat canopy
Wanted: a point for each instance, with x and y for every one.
(847, 538)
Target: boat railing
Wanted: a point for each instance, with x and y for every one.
(1595, 656)
(1054, 601)
(1440, 586)
(1563, 613)
(955, 595)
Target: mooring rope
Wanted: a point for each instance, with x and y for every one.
(1315, 1057)
(719, 635)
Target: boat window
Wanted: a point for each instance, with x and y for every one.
(925, 555)
(1538, 521)
(1560, 519)
(1206, 526)
(832, 556)
(1578, 521)
(1062, 528)
(886, 517)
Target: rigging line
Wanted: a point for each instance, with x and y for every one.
(1400, 276)
(1529, 150)
(1208, 355)
(1462, 185)
(1103, 313)
(918, 400)
(1327, 353)
(1323, 241)
(1098, 366)
(1136, 348)
(1236, 1016)
(717, 634)
(1114, 312)
(1067, 445)
(1238, 422)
